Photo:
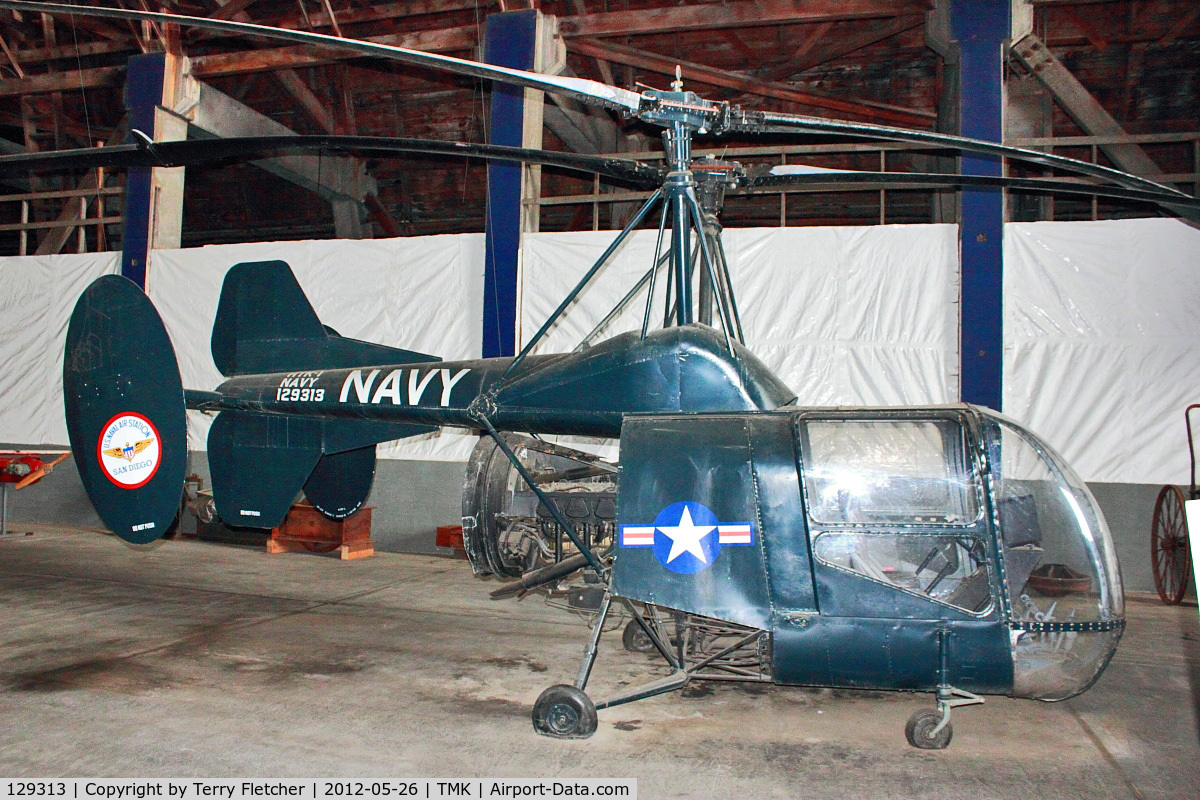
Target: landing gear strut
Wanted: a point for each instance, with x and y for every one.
(930, 729)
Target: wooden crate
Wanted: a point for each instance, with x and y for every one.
(306, 528)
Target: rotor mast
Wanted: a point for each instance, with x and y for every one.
(692, 201)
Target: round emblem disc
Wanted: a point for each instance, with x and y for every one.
(129, 450)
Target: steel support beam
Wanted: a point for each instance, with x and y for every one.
(519, 39)
(342, 182)
(153, 216)
(1078, 102)
(982, 29)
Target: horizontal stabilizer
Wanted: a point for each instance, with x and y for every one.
(260, 462)
(265, 323)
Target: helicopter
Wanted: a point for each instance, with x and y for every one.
(752, 539)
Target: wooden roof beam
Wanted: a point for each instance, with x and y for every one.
(434, 41)
(288, 79)
(810, 55)
(1089, 31)
(100, 29)
(37, 55)
(746, 83)
(1079, 103)
(1182, 24)
(231, 9)
(602, 66)
(742, 14)
(376, 12)
(836, 47)
(61, 81)
(262, 60)
(294, 85)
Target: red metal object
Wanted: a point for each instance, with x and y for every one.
(451, 536)
(15, 468)
(22, 468)
(306, 528)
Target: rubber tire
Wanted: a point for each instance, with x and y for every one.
(921, 723)
(564, 712)
(635, 639)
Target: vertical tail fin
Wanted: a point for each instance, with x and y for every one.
(259, 462)
(125, 409)
(265, 324)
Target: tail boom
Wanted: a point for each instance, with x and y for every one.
(584, 393)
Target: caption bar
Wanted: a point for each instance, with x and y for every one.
(192, 789)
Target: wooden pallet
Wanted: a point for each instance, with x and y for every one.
(305, 529)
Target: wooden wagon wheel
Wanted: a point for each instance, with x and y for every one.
(1169, 552)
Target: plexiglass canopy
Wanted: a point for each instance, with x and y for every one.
(1067, 606)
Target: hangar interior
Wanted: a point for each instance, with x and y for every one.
(1073, 315)
(1091, 348)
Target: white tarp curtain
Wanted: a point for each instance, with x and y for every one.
(35, 307)
(1101, 320)
(1102, 342)
(852, 315)
(844, 316)
(423, 293)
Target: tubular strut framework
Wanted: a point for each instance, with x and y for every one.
(681, 671)
(592, 560)
(570, 298)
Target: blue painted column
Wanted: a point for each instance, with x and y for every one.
(509, 41)
(144, 81)
(982, 28)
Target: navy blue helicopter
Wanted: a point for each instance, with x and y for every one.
(941, 549)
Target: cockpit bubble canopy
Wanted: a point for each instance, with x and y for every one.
(1064, 587)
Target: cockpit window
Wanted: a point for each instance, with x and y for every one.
(949, 569)
(896, 500)
(900, 472)
(1054, 541)
(1063, 584)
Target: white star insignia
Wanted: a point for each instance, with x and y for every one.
(685, 537)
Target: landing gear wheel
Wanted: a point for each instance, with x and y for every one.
(921, 724)
(635, 639)
(564, 712)
(1170, 555)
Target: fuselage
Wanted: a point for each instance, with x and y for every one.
(681, 369)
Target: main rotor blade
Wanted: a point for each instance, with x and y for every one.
(661, 108)
(586, 91)
(850, 180)
(771, 122)
(205, 151)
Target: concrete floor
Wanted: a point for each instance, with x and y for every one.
(204, 660)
